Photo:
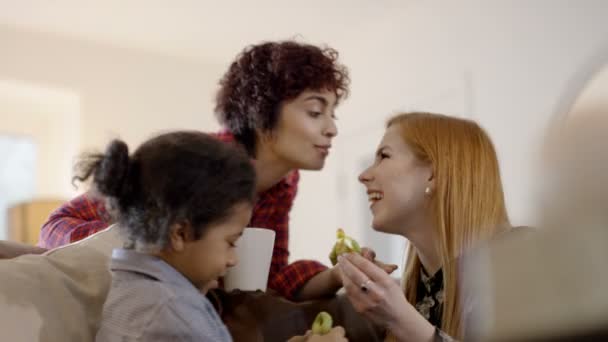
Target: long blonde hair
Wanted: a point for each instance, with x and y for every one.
(467, 203)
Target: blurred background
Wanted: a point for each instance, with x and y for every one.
(75, 74)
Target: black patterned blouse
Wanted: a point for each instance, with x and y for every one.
(429, 301)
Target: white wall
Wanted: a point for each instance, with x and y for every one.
(595, 94)
(503, 63)
(39, 119)
(123, 93)
(74, 96)
(47, 116)
(509, 60)
(71, 96)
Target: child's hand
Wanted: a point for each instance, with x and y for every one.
(336, 334)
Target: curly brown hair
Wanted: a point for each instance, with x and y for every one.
(263, 76)
(174, 177)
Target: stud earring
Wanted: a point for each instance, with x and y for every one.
(427, 190)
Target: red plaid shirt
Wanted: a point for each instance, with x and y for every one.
(85, 215)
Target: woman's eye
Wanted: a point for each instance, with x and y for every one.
(314, 114)
(384, 156)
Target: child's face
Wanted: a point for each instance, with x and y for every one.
(208, 258)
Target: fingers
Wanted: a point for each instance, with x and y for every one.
(297, 339)
(301, 338)
(350, 273)
(352, 280)
(338, 331)
(335, 335)
(338, 334)
(349, 284)
(388, 268)
(368, 253)
(360, 265)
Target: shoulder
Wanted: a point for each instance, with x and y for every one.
(515, 232)
(136, 292)
(224, 136)
(132, 305)
(187, 316)
(145, 308)
(129, 295)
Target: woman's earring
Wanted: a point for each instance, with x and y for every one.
(427, 190)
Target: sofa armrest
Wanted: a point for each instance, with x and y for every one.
(9, 250)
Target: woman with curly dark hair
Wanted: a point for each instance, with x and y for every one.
(277, 101)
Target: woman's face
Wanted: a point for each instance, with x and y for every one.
(396, 186)
(305, 129)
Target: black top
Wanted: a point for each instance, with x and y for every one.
(429, 296)
(429, 301)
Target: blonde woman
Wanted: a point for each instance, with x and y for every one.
(435, 181)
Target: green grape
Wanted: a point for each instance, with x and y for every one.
(322, 324)
(344, 244)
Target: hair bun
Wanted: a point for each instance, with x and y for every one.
(113, 171)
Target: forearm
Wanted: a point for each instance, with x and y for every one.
(323, 284)
(73, 221)
(411, 328)
(10, 250)
(291, 279)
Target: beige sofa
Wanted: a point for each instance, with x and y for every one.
(59, 295)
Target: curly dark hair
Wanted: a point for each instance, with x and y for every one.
(172, 178)
(265, 75)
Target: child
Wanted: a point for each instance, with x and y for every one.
(182, 201)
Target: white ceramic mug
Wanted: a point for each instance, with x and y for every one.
(254, 252)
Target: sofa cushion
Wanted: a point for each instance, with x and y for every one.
(59, 295)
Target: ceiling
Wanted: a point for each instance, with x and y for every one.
(199, 29)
